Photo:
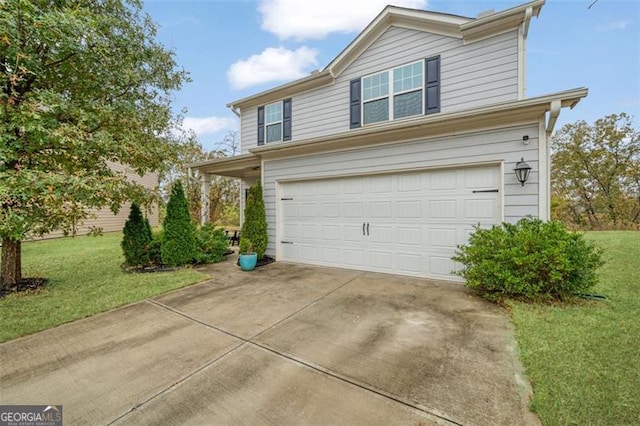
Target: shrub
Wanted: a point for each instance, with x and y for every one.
(246, 246)
(211, 244)
(255, 222)
(155, 248)
(531, 259)
(136, 239)
(178, 243)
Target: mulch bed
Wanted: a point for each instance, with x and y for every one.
(26, 285)
(261, 262)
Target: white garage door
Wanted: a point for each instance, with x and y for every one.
(406, 224)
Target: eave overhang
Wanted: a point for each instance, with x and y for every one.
(500, 22)
(240, 166)
(424, 127)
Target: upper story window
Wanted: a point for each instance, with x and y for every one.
(274, 122)
(404, 91)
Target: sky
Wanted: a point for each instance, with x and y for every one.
(235, 49)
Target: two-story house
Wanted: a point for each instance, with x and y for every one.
(385, 159)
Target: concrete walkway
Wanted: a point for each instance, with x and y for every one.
(284, 344)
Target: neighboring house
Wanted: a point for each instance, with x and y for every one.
(104, 218)
(385, 160)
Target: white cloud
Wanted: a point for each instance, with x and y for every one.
(273, 64)
(305, 19)
(613, 26)
(209, 125)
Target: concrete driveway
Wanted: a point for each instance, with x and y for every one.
(284, 344)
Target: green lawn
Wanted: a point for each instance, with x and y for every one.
(584, 360)
(85, 278)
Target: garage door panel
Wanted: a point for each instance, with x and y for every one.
(479, 209)
(416, 220)
(380, 234)
(409, 235)
(443, 209)
(353, 210)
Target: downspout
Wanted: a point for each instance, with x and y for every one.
(522, 53)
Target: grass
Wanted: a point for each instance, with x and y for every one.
(84, 278)
(584, 359)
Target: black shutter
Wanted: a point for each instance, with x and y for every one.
(354, 103)
(432, 85)
(286, 120)
(261, 125)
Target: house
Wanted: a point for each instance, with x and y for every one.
(385, 159)
(104, 219)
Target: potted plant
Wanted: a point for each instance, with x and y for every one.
(248, 256)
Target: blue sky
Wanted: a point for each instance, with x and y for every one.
(237, 48)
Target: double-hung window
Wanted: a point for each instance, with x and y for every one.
(404, 91)
(393, 94)
(274, 122)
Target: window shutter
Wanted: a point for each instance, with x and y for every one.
(286, 120)
(355, 104)
(261, 125)
(432, 85)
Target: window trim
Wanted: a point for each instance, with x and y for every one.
(391, 95)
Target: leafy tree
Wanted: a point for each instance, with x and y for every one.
(178, 243)
(224, 193)
(136, 239)
(595, 175)
(82, 84)
(254, 227)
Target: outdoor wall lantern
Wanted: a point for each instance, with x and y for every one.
(522, 171)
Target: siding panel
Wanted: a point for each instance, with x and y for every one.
(473, 75)
(490, 146)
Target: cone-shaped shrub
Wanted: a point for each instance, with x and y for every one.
(178, 243)
(254, 227)
(137, 236)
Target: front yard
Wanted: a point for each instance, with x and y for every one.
(84, 278)
(584, 360)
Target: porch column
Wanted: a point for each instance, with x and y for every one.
(205, 189)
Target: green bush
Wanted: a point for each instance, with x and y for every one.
(211, 244)
(155, 248)
(136, 239)
(246, 246)
(179, 243)
(255, 222)
(531, 259)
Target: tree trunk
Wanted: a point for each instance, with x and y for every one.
(11, 269)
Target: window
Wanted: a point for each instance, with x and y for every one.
(274, 122)
(399, 92)
(406, 86)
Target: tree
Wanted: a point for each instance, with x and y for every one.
(178, 242)
(594, 176)
(82, 84)
(254, 227)
(136, 239)
(224, 193)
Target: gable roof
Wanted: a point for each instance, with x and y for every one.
(468, 29)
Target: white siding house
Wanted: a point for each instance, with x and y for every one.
(386, 159)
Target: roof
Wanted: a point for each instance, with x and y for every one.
(469, 30)
(504, 114)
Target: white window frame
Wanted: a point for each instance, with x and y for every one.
(391, 95)
(267, 123)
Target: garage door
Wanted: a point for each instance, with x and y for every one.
(407, 224)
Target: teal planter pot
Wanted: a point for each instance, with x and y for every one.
(248, 261)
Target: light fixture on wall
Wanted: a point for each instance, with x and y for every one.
(522, 170)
